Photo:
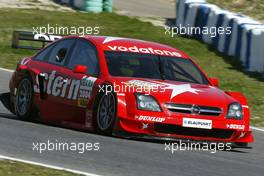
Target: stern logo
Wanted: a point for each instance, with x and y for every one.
(66, 88)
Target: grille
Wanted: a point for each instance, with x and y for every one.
(196, 132)
(194, 109)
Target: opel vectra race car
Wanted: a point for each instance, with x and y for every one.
(128, 88)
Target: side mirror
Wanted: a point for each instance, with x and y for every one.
(80, 69)
(214, 82)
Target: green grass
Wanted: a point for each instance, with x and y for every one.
(11, 168)
(214, 64)
(253, 8)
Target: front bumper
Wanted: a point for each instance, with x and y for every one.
(168, 131)
(159, 139)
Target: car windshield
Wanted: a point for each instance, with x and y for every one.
(124, 64)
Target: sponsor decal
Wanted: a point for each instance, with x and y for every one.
(144, 126)
(149, 50)
(235, 126)
(242, 134)
(66, 88)
(46, 37)
(86, 86)
(110, 39)
(82, 102)
(197, 123)
(135, 49)
(24, 61)
(150, 118)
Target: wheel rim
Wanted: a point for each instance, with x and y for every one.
(23, 98)
(106, 111)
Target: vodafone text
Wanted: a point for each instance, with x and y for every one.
(148, 50)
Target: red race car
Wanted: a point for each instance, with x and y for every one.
(128, 88)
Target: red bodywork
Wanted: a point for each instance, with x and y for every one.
(60, 109)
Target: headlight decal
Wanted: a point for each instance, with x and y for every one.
(235, 111)
(147, 102)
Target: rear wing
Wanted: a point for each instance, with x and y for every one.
(30, 40)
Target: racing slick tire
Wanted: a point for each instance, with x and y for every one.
(24, 97)
(106, 114)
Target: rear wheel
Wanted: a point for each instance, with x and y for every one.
(24, 99)
(106, 114)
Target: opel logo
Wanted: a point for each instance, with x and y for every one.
(195, 109)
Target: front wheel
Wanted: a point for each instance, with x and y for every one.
(106, 114)
(24, 99)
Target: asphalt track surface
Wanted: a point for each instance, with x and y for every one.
(121, 157)
(146, 8)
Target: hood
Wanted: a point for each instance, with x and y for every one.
(176, 92)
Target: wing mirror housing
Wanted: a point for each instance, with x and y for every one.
(80, 69)
(214, 82)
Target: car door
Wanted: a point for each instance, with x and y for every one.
(81, 85)
(51, 61)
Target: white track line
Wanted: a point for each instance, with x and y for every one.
(257, 129)
(46, 165)
(8, 70)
